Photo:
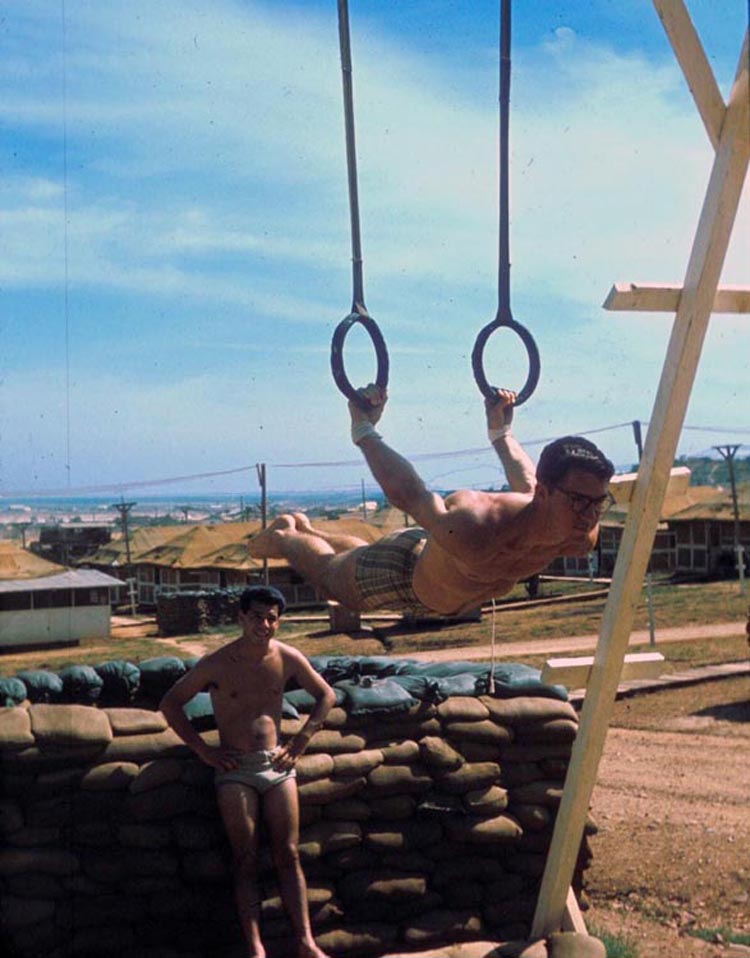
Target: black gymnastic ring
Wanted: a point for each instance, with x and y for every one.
(477, 364)
(337, 356)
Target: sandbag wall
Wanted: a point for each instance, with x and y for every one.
(429, 827)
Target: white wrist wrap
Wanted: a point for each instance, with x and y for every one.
(363, 430)
(501, 433)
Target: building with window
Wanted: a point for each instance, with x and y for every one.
(43, 604)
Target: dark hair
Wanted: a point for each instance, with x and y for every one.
(572, 452)
(263, 594)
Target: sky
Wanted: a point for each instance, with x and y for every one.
(175, 243)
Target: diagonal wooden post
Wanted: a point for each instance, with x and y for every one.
(678, 374)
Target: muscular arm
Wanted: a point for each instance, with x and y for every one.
(519, 469)
(172, 707)
(298, 667)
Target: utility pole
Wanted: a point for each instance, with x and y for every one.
(649, 583)
(364, 502)
(124, 509)
(728, 453)
(261, 470)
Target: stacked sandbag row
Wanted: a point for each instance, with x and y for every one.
(416, 830)
(183, 613)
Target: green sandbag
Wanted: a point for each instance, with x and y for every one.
(121, 681)
(159, 674)
(81, 684)
(370, 695)
(12, 692)
(42, 686)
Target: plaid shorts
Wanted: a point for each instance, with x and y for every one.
(385, 570)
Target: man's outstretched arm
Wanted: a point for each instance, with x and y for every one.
(399, 480)
(519, 469)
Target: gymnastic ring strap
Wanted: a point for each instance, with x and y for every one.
(337, 355)
(477, 359)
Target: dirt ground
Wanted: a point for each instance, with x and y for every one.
(672, 803)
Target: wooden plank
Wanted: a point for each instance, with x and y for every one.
(678, 374)
(622, 486)
(574, 671)
(660, 298)
(572, 917)
(692, 58)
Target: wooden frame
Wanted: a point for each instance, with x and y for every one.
(728, 127)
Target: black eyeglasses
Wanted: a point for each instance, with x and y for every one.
(581, 504)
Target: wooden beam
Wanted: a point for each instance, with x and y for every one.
(658, 298)
(574, 671)
(572, 918)
(678, 374)
(622, 486)
(692, 58)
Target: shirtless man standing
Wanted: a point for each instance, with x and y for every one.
(470, 546)
(246, 679)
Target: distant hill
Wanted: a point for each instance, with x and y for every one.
(715, 472)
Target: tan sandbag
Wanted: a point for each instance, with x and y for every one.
(110, 777)
(404, 836)
(556, 730)
(348, 810)
(365, 938)
(333, 742)
(397, 780)
(144, 748)
(324, 837)
(69, 726)
(535, 818)
(486, 801)
(402, 753)
(15, 729)
(393, 807)
(357, 763)
(520, 949)
(484, 831)
(325, 790)
(125, 721)
(437, 753)
(528, 709)
(156, 773)
(382, 884)
(336, 718)
(443, 925)
(484, 731)
(310, 767)
(470, 777)
(537, 793)
(463, 708)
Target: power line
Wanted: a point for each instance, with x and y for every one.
(119, 487)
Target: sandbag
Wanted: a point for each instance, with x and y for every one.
(159, 674)
(41, 685)
(121, 681)
(369, 695)
(81, 684)
(12, 691)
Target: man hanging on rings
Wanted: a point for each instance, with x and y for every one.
(469, 546)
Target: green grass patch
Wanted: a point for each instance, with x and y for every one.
(722, 934)
(618, 946)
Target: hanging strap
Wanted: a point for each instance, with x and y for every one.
(358, 314)
(504, 317)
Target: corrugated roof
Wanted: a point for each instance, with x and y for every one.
(18, 563)
(69, 579)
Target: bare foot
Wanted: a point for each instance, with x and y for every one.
(302, 523)
(267, 544)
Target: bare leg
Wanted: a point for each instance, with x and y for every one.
(281, 814)
(238, 805)
(340, 542)
(312, 557)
